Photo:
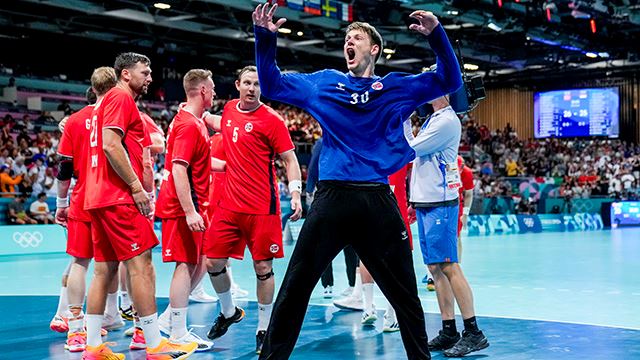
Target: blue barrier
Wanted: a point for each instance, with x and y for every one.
(519, 224)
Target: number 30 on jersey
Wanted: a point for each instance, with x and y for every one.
(359, 98)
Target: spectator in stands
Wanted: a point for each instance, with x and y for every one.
(28, 124)
(6, 131)
(65, 107)
(39, 210)
(37, 175)
(4, 155)
(8, 182)
(16, 212)
(45, 117)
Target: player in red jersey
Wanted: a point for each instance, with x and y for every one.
(183, 202)
(249, 212)
(466, 199)
(120, 207)
(72, 151)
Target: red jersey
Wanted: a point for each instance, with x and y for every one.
(251, 142)
(187, 143)
(116, 110)
(398, 184)
(466, 176)
(151, 125)
(217, 178)
(74, 144)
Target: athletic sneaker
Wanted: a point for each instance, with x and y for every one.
(130, 331)
(431, 285)
(328, 292)
(347, 292)
(76, 342)
(191, 337)
(349, 303)
(238, 293)
(469, 343)
(221, 325)
(260, 340)
(59, 324)
(390, 324)
(127, 313)
(164, 323)
(369, 318)
(101, 352)
(199, 295)
(137, 341)
(111, 323)
(168, 350)
(425, 279)
(443, 341)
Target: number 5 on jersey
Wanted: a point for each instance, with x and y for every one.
(234, 138)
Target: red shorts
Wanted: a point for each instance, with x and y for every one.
(120, 233)
(79, 243)
(230, 232)
(179, 244)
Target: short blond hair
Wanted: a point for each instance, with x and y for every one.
(374, 35)
(194, 77)
(103, 79)
(247, 69)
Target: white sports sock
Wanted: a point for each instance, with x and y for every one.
(149, 325)
(264, 315)
(76, 324)
(125, 301)
(233, 283)
(178, 322)
(94, 324)
(166, 314)
(111, 309)
(368, 297)
(63, 302)
(227, 307)
(357, 290)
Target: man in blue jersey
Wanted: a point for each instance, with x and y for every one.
(362, 116)
(435, 183)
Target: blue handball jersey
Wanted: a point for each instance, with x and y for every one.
(361, 118)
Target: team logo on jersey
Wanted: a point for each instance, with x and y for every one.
(134, 247)
(340, 86)
(228, 122)
(248, 127)
(274, 248)
(167, 253)
(377, 85)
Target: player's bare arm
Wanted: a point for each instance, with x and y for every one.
(183, 190)
(212, 121)
(117, 156)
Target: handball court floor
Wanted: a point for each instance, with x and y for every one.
(537, 296)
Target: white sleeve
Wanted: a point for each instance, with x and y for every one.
(436, 137)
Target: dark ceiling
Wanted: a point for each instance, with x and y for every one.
(506, 39)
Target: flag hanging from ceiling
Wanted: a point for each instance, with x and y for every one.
(296, 4)
(313, 7)
(344, 12)
(328, 8)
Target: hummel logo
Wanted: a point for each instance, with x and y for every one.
(134, 247)
(228, 122)
(405, 236)
(167, 252)
(340, 86)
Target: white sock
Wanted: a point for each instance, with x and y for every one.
(94, 324)
(233, 283)
(178, 322)
(166, 315)
(151, 331)
(227, 307)
(368, 297)
(63, 302)
(357, 290)
(264, 314)
(125, 302)
(111, 309)
(76, 323)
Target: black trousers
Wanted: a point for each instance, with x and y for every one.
(351, 261)
(368, 219)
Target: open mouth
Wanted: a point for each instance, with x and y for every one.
(351, 54)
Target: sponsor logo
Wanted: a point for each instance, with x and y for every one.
(27, 239)
(340, 86)
(377, 85)
(248, 127)
(135, 247)
(229, 122)
(528, 222)
(274, 248)
(167, 252)
(405, 236)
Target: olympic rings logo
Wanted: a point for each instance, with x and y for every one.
(26, 239)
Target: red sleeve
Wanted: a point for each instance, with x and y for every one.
(151, 124)
(280, 138)
(467, 178)
(119, 110)
(217, 147)
(65, 147)
(183, 135)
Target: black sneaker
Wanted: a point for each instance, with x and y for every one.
(443, 341)
(431, 286)
(127, 314)
(221, 325)
(469, 342)
(260, 340)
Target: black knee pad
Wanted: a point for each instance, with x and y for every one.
(265, 276)
(214, 273)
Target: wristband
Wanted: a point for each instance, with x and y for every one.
(62, 202)
(295, 185)
(466, 210)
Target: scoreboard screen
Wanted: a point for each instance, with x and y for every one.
(576, 112)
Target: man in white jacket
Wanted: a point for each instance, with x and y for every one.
(435, 180)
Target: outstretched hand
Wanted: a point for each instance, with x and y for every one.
(427, 21)
(263, 16)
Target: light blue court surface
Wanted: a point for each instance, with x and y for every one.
(538, 296)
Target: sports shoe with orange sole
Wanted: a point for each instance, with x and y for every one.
(171, 351)
(101, 352)
(76, 342)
